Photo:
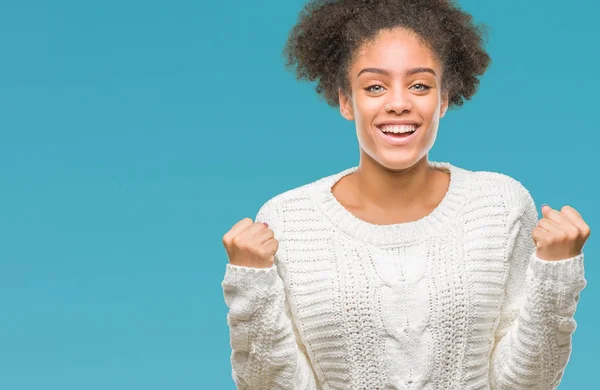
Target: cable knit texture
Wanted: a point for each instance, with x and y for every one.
(455, 300)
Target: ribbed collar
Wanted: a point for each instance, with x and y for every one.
(434, 223)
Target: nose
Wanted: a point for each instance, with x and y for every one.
(398, 102)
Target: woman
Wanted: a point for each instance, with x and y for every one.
(400, 273)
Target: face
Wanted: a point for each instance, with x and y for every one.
(394, 90)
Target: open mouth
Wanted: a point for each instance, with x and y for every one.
(397, 135)
(399, 130)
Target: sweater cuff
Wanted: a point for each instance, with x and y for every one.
(257, 277)
(559, 281)
(565, 270)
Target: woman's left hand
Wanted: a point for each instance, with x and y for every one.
(560, 234)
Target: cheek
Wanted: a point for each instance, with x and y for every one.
(367, 110)
(429, 107)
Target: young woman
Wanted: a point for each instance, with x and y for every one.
(400, 273)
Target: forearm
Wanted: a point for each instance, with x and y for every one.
(533, 352)
(265, 351)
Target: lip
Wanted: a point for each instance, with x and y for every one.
(397, 141)
(397, 122)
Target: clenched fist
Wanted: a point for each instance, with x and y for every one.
(560, 234)
(251, 244)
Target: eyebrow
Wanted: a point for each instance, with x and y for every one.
(409, 72)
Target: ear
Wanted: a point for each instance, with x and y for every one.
(345, 106)
(445, 104)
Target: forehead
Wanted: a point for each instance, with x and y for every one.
(395, 50)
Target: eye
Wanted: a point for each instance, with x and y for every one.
(370, 88)
(425, 87)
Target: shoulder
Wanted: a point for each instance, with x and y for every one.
(296, 199)
(516, 203)
(514, 195)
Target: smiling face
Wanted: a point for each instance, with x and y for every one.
(395, 78)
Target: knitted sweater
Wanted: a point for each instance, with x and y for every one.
(455, 300)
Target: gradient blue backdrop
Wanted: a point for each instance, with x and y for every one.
(134, 134)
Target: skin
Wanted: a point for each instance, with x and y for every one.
(394, 184)
(390, 183)
(560, 234)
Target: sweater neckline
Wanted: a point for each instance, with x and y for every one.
(432, 224)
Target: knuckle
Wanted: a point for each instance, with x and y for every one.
(226, 240)
(237, 242)
(585, 230)
(245, 222)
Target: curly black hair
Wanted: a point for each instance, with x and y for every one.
(324, 42)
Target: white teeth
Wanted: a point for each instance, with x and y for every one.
(398, 128)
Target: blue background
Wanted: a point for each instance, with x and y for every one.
(134, 134)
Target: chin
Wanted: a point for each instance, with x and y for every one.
(397, 161)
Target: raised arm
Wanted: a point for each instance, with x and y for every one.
(266, 351)
(532, 342)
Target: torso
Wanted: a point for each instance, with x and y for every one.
(420, 309)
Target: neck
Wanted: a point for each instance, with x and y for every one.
(393, 190)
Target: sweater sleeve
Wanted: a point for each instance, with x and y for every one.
(266, 350)
(532, 342)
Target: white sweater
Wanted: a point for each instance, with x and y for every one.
(455, 300)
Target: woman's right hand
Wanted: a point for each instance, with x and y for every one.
(250, 244)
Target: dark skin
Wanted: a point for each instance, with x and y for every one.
(344, 191)
(394, 184)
